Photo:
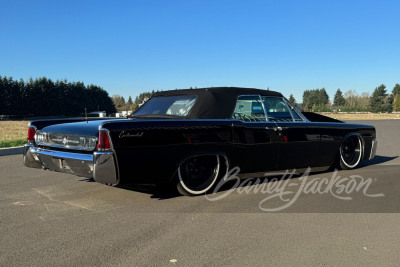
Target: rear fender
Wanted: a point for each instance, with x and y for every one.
(314, 117)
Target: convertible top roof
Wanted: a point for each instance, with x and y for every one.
(215, 102)
(223, 91)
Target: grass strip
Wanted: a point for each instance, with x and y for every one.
(12, 143)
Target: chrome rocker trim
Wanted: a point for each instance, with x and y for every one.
(100, 165)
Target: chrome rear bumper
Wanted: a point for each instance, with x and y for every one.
(99, 165)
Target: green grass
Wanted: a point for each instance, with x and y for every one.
(12, 143)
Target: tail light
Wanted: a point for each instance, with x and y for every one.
(31, 134)
(104, 141)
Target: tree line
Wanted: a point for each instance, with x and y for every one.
(44, 97)
(317, 100)
(121, 105)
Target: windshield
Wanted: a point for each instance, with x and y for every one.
(168, 105)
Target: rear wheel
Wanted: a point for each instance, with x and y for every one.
(198, 174)
(350, 152)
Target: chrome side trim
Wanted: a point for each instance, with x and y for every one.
(373, 148)
(104, 168)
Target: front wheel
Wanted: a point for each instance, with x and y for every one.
(198, 174)
(350, 152)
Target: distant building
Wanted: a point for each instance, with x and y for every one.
(126, 113)
(100, 114)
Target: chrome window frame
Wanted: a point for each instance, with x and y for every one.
(285, 104)
(293, 108)
(262, 104)
(290, 106)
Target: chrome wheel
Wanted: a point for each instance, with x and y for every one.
(350, 152)
(198, 174)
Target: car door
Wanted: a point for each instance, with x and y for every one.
(255, 139)
(299, 141)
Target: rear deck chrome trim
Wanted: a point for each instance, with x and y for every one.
(62, 154)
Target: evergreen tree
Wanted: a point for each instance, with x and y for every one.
(380, 101)
(339, 100)
(313, 99)
(143, 97)
(119, 101)
(323, 98)
(292, 99)
(396, 90)
(130, 102)
(396, 103)
(43, 97)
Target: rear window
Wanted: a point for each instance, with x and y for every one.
(168, 105)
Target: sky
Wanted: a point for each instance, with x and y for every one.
(128, 47)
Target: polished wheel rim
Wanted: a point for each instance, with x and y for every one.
(198, 174)
(350, 151)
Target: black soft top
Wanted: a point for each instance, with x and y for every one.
(215, 102)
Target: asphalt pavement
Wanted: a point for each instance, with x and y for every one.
(342, 218)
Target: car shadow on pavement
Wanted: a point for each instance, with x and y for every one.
(377, 160)
(156, 191)
(163, 192)
(88, 180)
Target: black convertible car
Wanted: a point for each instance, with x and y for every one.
(191, 138)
